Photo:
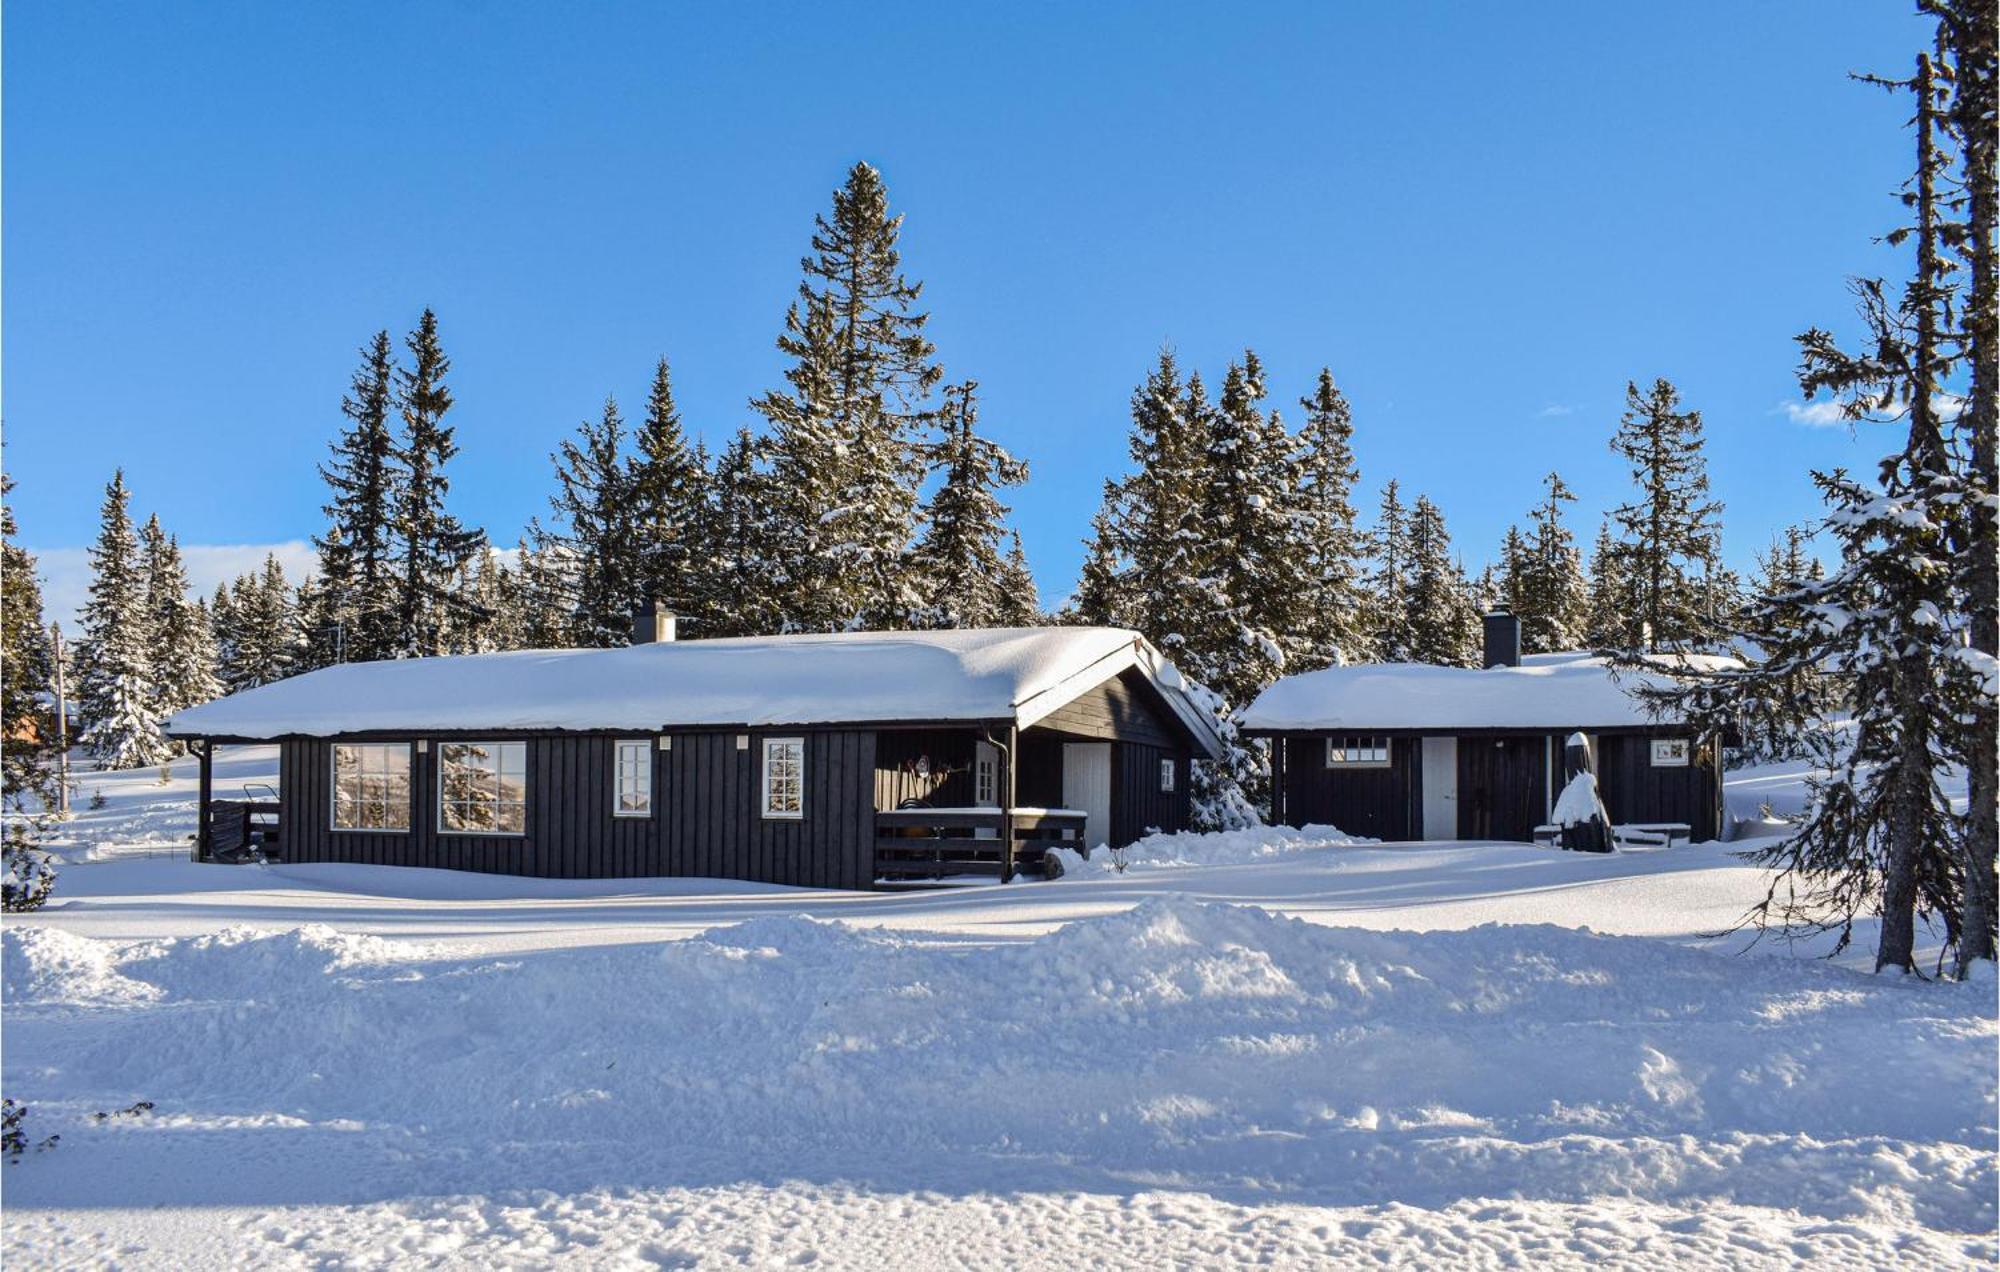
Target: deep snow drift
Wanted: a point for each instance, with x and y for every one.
(371, 1067)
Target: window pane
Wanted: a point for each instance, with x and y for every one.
(371, 786)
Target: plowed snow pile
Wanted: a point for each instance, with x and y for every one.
(1181, 1081)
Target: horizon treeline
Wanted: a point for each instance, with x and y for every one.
(869, 498)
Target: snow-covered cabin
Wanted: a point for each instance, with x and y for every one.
(821, 760)
(1401, 751)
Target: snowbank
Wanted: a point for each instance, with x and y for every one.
(1224, 1049)
(1219, 848)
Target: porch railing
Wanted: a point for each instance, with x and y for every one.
(913, 845)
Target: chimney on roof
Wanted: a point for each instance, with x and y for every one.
(653, 624)
(1503, 639)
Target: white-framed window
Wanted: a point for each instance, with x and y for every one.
(985, 775)
(1357, 752)
(785, 778)
(632, 778)
(1670, 752)
(371, 786)
(1166, 775)
(483, 788)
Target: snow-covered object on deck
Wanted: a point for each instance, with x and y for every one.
(1547, 691)
(1579, 803)
(1018, 674)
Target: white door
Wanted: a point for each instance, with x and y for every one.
(1087, 787)
(1440, 788)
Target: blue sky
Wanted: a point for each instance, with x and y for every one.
(1484, 218)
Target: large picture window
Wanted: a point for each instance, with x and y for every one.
(1357, 752)
(633, 794)
(371, 786)
(785, 778)
(483, 788)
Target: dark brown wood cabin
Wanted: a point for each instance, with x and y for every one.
(1074, 737)
(1373, 751)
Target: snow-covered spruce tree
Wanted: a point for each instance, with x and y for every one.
(117, 693)
(539, 591)
(1550, 593)
(1669, 536)
(744, 584)
(433, 546)
(355, 616)
(1781, 724)
(845, 437)
(1390, 635)
(1968, 33)
(184, 643)
(27, 673)
(1443, 622)
(667, 485)
(1020, 603)
(1607, 616)
(1145, 569)
(1878, 834)
(1334, 609)
(961, 561)
(258, 629)
(488, 618)
(596, 533)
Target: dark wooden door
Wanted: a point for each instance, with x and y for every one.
(1500, 787)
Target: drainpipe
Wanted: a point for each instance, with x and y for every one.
(1006, 750)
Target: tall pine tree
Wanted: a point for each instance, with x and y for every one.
(1390, 634)
(184, 645)
(117, 692)
(962, 561)
(355, 616)
(1550, 593)
(667, 489)
(598, 538)
(1443, 623)
(434, 547)
(1334, 612)
(1670, 537)
(27, 672)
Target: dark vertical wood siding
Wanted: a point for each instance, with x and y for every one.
(1138, 805)
(1635, 791)
(1381, 803)
(707, 818)
(949, 782)
(1501, 786)
(1039, 782)
(1122, 709)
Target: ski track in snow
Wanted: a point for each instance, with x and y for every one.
(1240, 1050)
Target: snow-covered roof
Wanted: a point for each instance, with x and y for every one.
(1547, 691)
(1020, 674)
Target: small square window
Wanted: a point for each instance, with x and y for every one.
(483, 788)
(371, 786)
(1166, 776)
(1357, 752)
(1670, 752)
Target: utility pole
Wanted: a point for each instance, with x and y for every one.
(62, 725)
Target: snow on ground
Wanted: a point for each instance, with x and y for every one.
(1276, 1048)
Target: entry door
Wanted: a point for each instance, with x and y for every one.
(1087, 787)
(1440, 788)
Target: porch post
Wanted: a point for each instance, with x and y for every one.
(1007, 802)
(201, 830)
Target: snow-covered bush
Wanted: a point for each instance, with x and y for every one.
(30, 874)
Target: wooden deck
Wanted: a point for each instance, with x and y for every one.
(916, 845)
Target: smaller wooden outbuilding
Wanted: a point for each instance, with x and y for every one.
(840, 760)
(1409, 752)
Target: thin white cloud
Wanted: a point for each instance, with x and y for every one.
(66, 571)
(1554, 410)
(1828, 413)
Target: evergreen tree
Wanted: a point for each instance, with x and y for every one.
(1444, 626)
(1101, 598)
(1608, 615)
(600, 539)
(355, 616)
(1968, 34)
(1020, 604)
(1670, 537)
(27, 671)
(1878, 833)
(1334, 606)
(741, 594)
(489, 620)
(184, 644)
(1391, 635)
(668, 496)
(258, 629)
(434, 546)
(540, 593)
(1548, 589)
(117, 694)
(963, 566)
(844, 438)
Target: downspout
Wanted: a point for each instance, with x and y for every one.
(1006, 794)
